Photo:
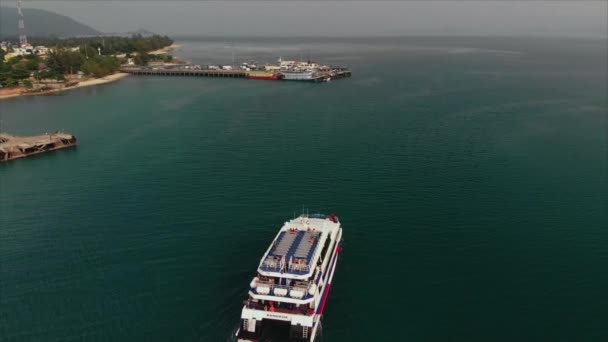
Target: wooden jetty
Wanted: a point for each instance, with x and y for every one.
(15, 147)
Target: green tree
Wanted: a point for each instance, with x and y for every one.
(45, 75)
(88, 51)
(28, 84)
(91, 67)
(32, 64)
(54, 63)
(14, 60)
(20, 72)
(100, 66)
(59, 77)
(65, 61)
(141, 58)
(10, 82)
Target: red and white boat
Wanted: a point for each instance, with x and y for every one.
(293, 279)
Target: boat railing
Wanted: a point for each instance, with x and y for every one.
(271, 289)
(275, 265)
(295, 267)
(282, 308)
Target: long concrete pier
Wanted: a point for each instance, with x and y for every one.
(184, 72)
(15, 147)
(320, 76)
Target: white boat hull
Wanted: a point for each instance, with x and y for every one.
(302, 310)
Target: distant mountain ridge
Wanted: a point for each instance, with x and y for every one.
(41, 23)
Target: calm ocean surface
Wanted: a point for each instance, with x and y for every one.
(470, 176)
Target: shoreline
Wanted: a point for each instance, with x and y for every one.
(165, 50)
(19, 91)
(9, 93)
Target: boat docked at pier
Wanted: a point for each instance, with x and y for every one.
(293, 279)
(296, 75)
(264, 75)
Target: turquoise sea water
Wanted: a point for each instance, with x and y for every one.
(470, 176)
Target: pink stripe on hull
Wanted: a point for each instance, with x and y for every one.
(328, 286)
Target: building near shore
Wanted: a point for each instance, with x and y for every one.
(25, 50)
(42, 51)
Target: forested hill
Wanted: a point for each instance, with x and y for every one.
(41, 23)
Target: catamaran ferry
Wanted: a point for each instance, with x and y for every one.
(293, 279)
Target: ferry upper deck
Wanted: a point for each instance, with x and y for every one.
(297, 247)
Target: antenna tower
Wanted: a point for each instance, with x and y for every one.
(22, 37)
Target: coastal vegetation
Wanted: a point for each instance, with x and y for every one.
(108, 45)
(15, 70)
(58, 65)
(92, 56)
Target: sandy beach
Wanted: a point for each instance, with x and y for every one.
(6, 93)
(164, 50)
(102, 80)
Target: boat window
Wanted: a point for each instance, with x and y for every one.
(325, 248)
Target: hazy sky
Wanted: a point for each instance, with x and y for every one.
(339, 18)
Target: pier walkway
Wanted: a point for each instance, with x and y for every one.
(320, 76)
(185, 72)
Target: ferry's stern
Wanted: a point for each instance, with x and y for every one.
(254, 321)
